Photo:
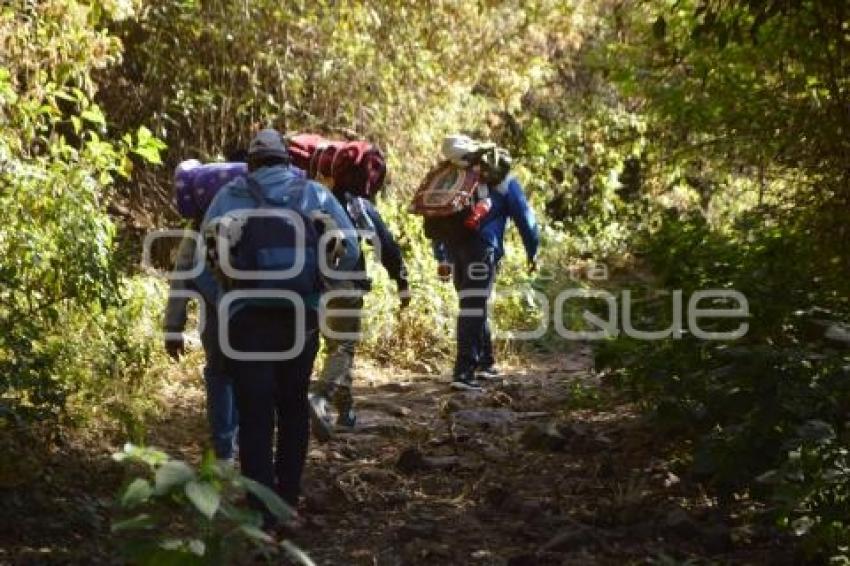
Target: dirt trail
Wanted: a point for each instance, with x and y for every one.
(544, 467)
(541, 468)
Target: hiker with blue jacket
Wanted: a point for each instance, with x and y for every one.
(195, 186)
(272, 392)
(473, 260)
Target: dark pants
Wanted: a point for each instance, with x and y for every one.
(269, 391)
(474, 268)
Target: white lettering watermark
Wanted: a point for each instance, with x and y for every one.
(551, 312)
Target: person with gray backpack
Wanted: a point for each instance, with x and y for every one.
(265, 242)
(335, 382)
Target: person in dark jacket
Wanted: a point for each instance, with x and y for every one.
(220, 404)
(334, 384)
(474, 262)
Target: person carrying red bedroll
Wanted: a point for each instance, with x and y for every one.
(355, 172)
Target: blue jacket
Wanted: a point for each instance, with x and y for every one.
(508, 202)
(282, 185)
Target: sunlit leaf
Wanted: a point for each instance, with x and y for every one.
(256, 533)
(296, 554)
(267, 497)
(172, 474)
(204, 496)
(94, 115)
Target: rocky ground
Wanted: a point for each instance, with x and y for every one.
(547, 466)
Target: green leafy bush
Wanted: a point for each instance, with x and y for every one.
(810, 488)
(773, 405)
(68, 318)
(185, 516)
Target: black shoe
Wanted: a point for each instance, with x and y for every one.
(489, 372)
(465, 382)
(319, 420)
(346, 418)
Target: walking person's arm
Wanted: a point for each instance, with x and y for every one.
(391, 256)
(176, 307)
(525, 221)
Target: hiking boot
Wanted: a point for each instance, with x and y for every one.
(347, 418)
(465, 382)
(487, 373)
(320, 421)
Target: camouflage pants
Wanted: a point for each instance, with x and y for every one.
(335, 381)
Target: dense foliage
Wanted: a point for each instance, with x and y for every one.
(746, 105)
(693, 143)
(72, 324)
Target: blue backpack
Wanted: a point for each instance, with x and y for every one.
(271, 241)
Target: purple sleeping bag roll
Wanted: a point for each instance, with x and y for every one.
(196, 184)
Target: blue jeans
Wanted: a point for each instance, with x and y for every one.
(221, 405)
(272, 396)
(474, 268)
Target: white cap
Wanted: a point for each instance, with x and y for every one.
(457, 147)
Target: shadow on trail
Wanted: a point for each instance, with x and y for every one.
(57, 499)
(546, 466)
(55, 504)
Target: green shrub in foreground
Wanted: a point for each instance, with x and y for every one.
(182, 516)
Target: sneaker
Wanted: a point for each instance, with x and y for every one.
(320, 422)
(489, 372)
(465, 382)
(346, 418)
